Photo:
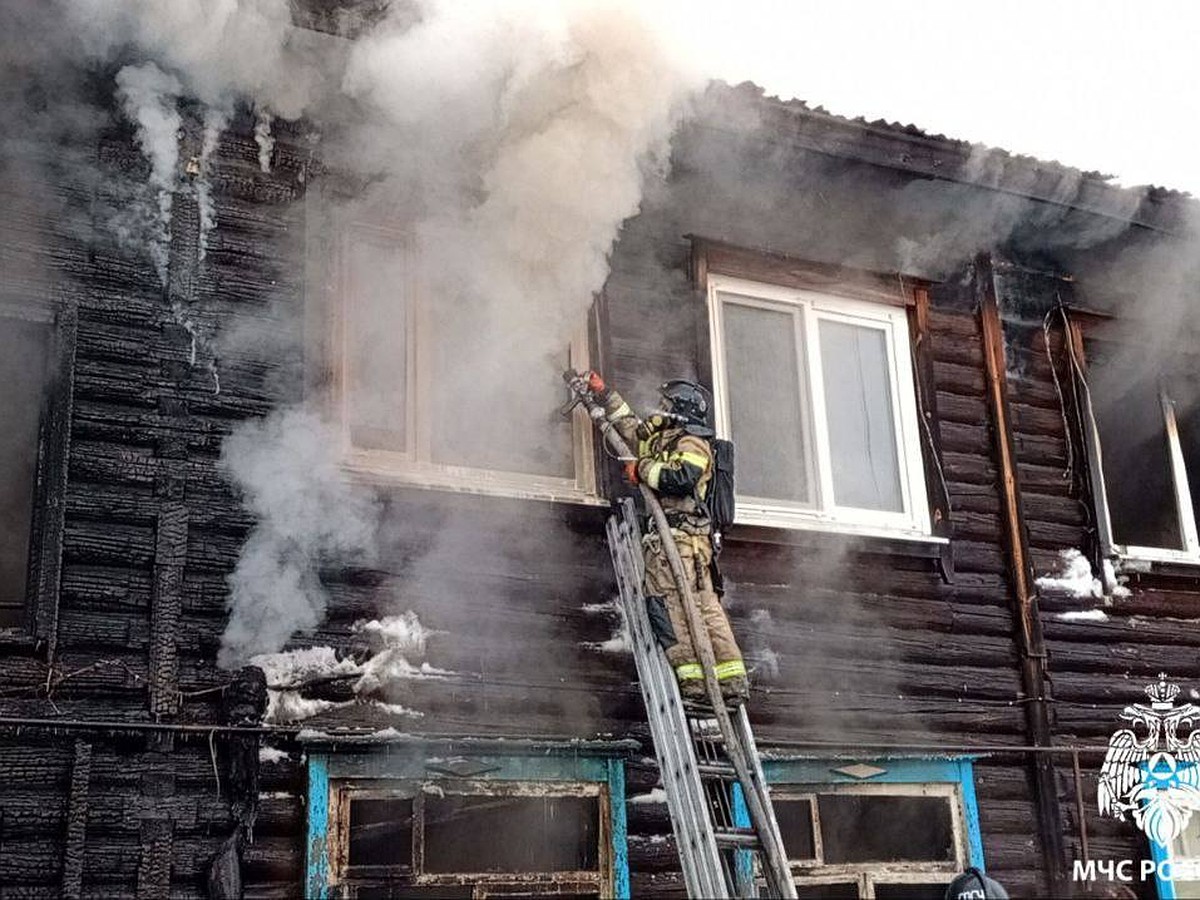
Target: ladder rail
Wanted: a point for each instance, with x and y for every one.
(700, 863)
(776, 868)
(694, 836)
(739, 746)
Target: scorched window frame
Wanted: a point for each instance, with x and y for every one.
(414, 464)
(953, 779)
(1080, 345)
(334, 778)
(46, 526)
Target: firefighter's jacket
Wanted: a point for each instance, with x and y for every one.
(674, 463)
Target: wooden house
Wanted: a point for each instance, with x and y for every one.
(942, 372)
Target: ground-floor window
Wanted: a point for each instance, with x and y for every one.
(884, 829)
(420, 826)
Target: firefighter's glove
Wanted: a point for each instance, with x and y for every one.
(595, 383)
(631, 471)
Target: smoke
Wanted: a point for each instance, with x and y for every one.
(148, 96)
(307, 513)
(215, 121)
(262, 137)
(503, 143)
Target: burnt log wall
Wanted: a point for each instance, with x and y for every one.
(150, 527)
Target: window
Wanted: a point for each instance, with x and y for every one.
(36, 359)
(24, 352)
(430, 393)
(892, 830)
(1146, 446)
(817, 393)
(467, 827)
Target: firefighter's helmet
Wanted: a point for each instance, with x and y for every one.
(686, 401)
(974, 885)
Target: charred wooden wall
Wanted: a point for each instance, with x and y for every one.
(149, 527)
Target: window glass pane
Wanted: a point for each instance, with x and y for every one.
(511, 834)
(870, 828)
(930, 891)
(841, 891)
(763, 373)
(494, 403)
(24, 347)
(376, 324)
(858, 405)
(795, 823)
(381, 832)
(1136, 459)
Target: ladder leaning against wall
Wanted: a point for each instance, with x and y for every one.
(725, 826)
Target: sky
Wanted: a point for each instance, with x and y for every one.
(1100, 85)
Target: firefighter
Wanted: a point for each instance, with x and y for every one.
(675, 460)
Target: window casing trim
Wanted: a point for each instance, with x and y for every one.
(44, 559)
(332, 774)
(1131, 554)
(814, 306)
(954, 778)
(413, 465)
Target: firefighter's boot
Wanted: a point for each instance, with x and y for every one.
(735, 690)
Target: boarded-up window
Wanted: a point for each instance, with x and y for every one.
(24, 351)
(817, 392)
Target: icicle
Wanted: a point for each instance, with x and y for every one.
(262, 136)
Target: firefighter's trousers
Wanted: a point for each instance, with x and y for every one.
(696, 553)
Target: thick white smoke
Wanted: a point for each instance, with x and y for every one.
(509, 140)
(307, 512)
(149, 96)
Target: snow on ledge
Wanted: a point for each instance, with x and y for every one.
(1083, 615)
(1076, 578)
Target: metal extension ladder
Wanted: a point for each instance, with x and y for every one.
(724, 849)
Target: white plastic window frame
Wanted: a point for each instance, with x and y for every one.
(414, 464)
(1183, 498)
(811, 307)
(815, 872)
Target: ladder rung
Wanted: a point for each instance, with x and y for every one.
(735, 837)
(716, 770)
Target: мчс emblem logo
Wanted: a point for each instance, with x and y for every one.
(1155, 777)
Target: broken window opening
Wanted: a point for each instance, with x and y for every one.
(25, 348)
(817, 391)
(1146, 428)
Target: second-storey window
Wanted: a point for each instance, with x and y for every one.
(817, 393)
(1147, 437)
(432, 393)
